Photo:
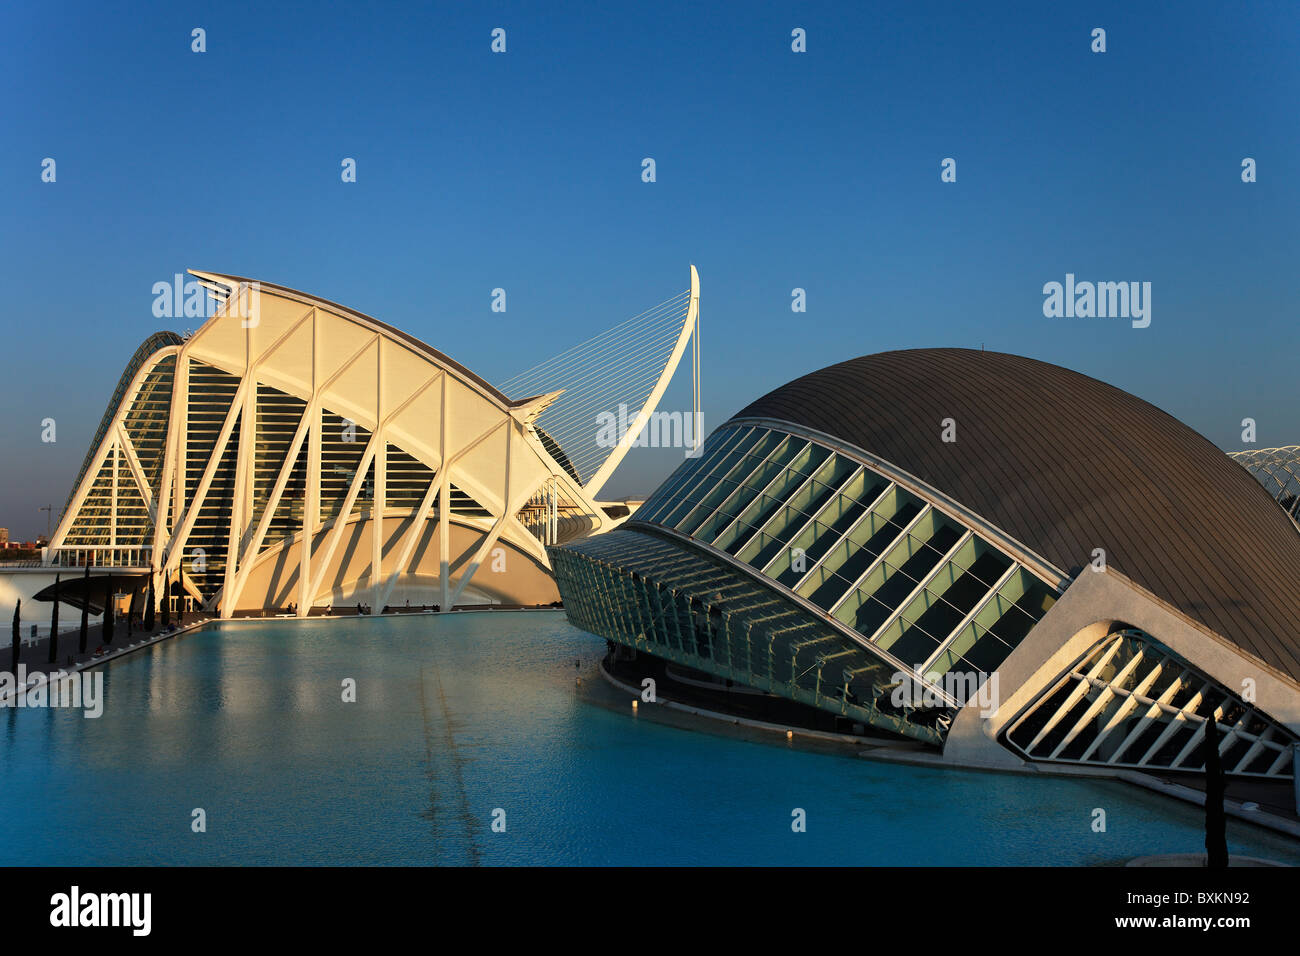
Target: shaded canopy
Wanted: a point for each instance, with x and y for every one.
(72, 590)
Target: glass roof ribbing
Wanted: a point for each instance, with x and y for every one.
(1278, 470)
(1129, 701)
(674, 602)
(159, 340)
(912, 580)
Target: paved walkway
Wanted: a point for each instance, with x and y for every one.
(36, 657)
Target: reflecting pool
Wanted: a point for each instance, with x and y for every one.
(465, 719)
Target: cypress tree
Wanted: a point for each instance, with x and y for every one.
(148, 606)
(108, 611)
(167, 601)
(54, 623)
(13, 660)
(180, 601)
(85, 610)
(1216, 832)
(130, 612)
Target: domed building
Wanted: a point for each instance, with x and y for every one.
(1006, 561)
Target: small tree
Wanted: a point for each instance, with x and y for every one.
(1216, 833)
(85, 610)
(54, 624)
(148, 605)
(180, 600)
(130, 611)
(13, 660)
(167, 600)
(108, 611)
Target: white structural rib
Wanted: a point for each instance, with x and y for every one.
(612, 384)
(602, 474)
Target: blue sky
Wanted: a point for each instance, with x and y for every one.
(775, 170)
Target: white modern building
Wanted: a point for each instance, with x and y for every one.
(296, 453)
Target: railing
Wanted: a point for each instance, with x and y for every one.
(101, 556)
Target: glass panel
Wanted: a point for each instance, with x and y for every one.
(782, 485)
(865, 542)
(905, 565)
(711, 489)
(731, 483)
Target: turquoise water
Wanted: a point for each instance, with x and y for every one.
(458, 716)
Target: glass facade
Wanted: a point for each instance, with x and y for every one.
(1131, 702)
(155, 342)
(114, 524)
(1278, 470)
(914, 581)
(809, 573)
(674, 603)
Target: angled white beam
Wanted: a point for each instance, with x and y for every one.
(848, 532)
(268, 513)
(1177, 721)
(409, 539)
(1132, 699)
(101, 453)
(973, 613)
(444, 510)
(597, 481)
(1154, 710)
(379, 489)
(1104, 697)
(127, 449)
(171, 490)
(177, 542)
(920, 586)
(340, 521)
(1103, 657)
(507, 511)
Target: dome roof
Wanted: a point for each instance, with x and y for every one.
(1065, 464)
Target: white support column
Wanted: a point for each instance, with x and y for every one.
(340, 521)
(409, 539)
(380, 486)
(127, 450)
(444, 508)
(507, 512)
(176, 545)
(112, 518)
(249, 551)
(311, 509)
(180, 425)
(697, 422)
(241, 500)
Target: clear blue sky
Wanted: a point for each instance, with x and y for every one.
(775, 170)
